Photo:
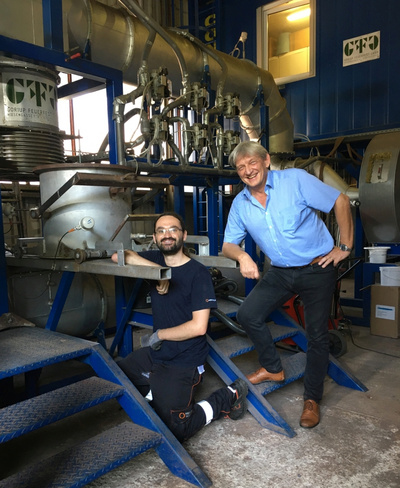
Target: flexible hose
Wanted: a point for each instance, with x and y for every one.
(222, 317)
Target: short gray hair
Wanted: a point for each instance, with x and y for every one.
(247, 148)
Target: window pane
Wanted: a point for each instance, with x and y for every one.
(287, 29)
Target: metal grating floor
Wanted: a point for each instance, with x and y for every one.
(37, 348)
(87, 461)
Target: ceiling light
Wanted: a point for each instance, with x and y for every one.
(300, 14)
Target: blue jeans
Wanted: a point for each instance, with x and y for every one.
(315, 285)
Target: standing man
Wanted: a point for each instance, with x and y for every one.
(279, 209)
(170, 364)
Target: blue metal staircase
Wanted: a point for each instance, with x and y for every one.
(226, 348)
(27, 349)
(282, 326)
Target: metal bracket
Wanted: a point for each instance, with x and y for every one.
(130, 218)
(88, 179)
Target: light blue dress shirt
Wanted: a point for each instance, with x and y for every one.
(289, 230)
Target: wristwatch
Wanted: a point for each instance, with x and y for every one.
(343, 247)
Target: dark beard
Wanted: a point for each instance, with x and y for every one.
(174, 249)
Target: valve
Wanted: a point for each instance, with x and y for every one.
(199, 134)
(231, 140)
(231, 105)
(82, 255)
(158, 128)
(7, 209)
(17, 251)
(159, 86)
(198, 97)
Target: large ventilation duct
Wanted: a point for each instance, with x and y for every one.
(118, 40)
(380, 182)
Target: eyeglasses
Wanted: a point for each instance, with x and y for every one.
(171, 230)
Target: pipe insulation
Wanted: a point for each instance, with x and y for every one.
(331, 178)
(118, 40)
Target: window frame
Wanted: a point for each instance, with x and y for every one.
(262, 36)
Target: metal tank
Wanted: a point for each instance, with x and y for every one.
(29, 133)
(380, 189)
(91, 213)
(31, 295)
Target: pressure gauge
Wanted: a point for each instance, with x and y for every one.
(87, 223)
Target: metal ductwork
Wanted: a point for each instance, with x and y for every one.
(379, 185)
(118, 40)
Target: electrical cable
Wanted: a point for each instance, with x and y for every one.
(368, 349)
(59, 244)
(11, 224)
(347, 323)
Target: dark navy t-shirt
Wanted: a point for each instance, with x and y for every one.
(190, 289)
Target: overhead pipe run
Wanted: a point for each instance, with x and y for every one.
(135, 44)
(111, 32)
(134, 9)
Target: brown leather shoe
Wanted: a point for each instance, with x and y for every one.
(263, 375)
(310, 415)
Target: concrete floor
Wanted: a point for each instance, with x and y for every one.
(357, 443)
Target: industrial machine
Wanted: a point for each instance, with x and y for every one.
(191, 95)
(192, 105)
(195, 105)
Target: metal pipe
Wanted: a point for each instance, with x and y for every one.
(328, 175)
(110, 47)
(331, 178)
(177, 152)
(165, 168)
(213, 54)
(127, 116)
(118, 117)
(133, 8)
(186, 138)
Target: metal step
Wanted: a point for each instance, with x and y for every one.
(34, 348)
(258, 406)
(235, 345)
(24, 350)
(85, 462)
(293, 366)
(26, 416)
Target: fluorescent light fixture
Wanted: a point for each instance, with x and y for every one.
(301, 14)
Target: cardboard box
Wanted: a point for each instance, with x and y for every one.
(385, 311)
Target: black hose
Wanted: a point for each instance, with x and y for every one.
(228, 321)
(224, 286)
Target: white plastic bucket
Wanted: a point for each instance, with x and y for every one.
(390, 275)
(377, 254)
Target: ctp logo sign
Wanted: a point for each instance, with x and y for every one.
(28, 99)
(40, 93)
(361, 49)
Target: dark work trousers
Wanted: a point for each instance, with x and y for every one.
(315, 285)
(172, 388)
